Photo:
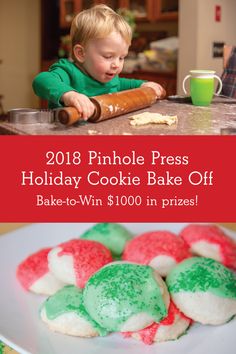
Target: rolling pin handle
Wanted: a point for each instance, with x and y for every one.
(111, 105)
(68, 115)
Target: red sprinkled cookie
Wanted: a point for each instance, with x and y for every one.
(161, 250)
(172, 327)
(34, 275)
(74, 262)
(210, 241)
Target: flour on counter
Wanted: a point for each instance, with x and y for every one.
(152, 118)
(92, 132)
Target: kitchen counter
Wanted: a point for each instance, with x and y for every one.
(219, 118)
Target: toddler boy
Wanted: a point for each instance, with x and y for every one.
(100, 40)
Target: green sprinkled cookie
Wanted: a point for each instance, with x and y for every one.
(126, 297)
(113, 236)
(204, 290)
(64, 312)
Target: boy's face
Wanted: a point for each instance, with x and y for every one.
(104, 57)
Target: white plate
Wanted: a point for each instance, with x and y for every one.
(21, 328)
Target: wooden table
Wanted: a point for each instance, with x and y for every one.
(219, 118)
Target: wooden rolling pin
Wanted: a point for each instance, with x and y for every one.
(111, 105)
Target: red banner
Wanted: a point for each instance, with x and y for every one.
(118, 178)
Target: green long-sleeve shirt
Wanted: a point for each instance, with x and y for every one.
(64, 76)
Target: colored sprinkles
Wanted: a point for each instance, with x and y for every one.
(33, 268)
(145, 247)
(213, 235)
(148, 334)
(202, 274)
(121, 290)
(114, 292)
(88, 257)
(111, 235)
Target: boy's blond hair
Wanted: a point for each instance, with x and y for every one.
(98, 22)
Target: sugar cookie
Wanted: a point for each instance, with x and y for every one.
(204, 290)
(74, 261)
(161, 250)
(113, 236)
(126, 297)
(171, 328)
(64, 312)
(210, 241)
(34, 275)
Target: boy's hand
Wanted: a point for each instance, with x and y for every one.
(81, 102)
(160, 91)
